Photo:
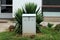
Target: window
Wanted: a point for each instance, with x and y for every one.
(6, 1)
(51, 2)
(51, 5)
(51, 9)
(6, 6)
(6, 9)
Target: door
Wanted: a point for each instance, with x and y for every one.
(6, 8)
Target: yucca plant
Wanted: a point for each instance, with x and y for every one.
(18, 18)
(39, 19)
(30, 8)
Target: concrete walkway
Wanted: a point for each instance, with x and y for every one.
(5, 26)
(46, 23)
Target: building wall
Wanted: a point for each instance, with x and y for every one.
(56, 14)
(51, 10)
(20, 3)
(51, 19)
(51, 16)
(5, 15)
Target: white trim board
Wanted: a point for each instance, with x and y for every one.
(57, 14)
(6, 15)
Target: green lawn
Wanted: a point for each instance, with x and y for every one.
(46, 34)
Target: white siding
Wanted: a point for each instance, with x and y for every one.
(20, 3)
(55, 14)
(5, 15)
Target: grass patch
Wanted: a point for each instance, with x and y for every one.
(46, 34)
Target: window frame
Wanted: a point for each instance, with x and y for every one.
(7, 5)
(51, 9)
(47, 7)
(51, 2)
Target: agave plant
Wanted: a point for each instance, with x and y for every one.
(18, 17)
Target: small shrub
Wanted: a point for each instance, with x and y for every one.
(57, 27)
(50, 25)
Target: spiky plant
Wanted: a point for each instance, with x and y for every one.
(31, 8)
(39, 19)
(18, 18)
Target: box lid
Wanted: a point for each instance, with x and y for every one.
(28, 14)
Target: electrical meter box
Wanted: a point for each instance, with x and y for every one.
(28, 24)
